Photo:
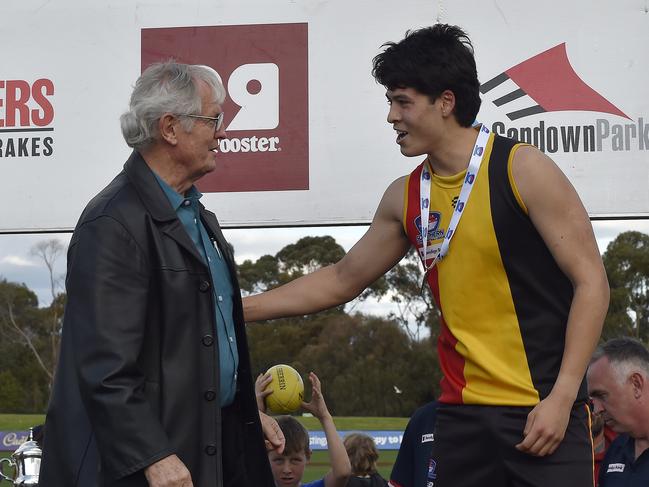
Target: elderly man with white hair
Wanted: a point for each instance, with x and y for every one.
(153, 386)
(618, 384)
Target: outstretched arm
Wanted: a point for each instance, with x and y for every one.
(341, 468)
(560, 218)
(382, 246)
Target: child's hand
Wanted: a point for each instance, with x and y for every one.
(317, 405)
(260, 390)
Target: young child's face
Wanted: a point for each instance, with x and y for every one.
(287, 469)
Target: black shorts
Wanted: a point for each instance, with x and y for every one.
(475, 447)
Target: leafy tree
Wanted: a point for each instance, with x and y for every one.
(416, 309)
(11, 397)
(23, 344)
(261, 275)
(371, 367)
(295, 260)
(291, 262)
(309, 254)
(627, 265)
(368, 365)
(49, 251)
(281, 341)
(29, 335)
(19, 317)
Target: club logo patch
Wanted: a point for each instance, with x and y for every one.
(434, 232)
(432, 474)
(615, 467)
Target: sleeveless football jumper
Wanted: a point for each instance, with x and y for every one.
(504, 302)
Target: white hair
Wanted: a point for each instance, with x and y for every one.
(624, 370)
(167, 87)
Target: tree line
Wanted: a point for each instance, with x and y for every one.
(369, 365)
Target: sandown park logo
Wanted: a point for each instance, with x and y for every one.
(548, 83)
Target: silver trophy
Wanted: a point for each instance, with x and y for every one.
(26, 462)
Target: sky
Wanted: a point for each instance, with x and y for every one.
(18, 265)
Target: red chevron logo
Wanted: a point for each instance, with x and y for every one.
(549, 79)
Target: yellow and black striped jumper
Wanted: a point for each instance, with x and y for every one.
(504, 301)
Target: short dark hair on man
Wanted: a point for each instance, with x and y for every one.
(296, 436)
(624, 350)
(432, 60)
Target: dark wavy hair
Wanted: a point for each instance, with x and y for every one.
(432, 60)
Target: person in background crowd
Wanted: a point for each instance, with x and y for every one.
(364, 457)
(618, 384)
(153, 386)
(413, 461)
(511, 260)
(603, 436)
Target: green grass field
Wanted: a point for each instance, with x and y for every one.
(20, 422)
(316, 469)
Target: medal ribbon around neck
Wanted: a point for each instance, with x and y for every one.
(424, 200)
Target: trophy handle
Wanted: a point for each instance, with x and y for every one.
(2, 474)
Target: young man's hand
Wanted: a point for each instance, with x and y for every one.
(546, 426)
(317, 405)
(260, 390)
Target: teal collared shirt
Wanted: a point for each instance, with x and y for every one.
(187, 210)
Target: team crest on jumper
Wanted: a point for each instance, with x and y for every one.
(432, 475)
(434, 232)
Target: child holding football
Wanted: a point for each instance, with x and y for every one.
(288, 467)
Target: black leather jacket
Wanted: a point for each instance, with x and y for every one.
(138, 372)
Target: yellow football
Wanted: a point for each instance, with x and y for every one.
(288, 390)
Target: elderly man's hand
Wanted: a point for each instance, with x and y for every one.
(168, 472)
(274, 438)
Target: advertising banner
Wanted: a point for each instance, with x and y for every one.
(308, 142)
(11, 440)
(384, 439)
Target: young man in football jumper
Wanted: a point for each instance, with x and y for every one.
(511, 260)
